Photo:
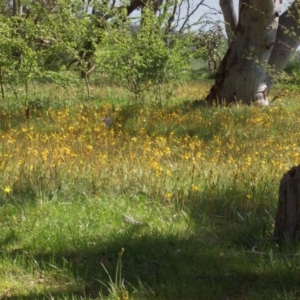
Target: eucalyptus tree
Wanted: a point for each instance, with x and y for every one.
(261, 42)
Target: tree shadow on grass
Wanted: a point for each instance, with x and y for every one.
(213, 259)
(168, 269)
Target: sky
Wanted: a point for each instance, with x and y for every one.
(214, 4)
(212, 10)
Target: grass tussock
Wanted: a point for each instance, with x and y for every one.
(199, 187)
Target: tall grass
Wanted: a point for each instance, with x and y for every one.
(199, 184)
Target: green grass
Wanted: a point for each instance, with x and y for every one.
(203, 183)
(55, 249)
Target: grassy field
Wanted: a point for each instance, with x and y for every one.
(189, 194)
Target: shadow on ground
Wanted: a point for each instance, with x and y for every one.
(229, 256)
(177, 271)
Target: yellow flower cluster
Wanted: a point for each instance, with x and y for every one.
(162, 152)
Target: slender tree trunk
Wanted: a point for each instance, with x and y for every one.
(242, 75)
(87, 84)
(2, 85)
(15, 8)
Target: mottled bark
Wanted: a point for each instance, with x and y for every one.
(230, 18)
(287, 39)
(242, 75)
(287, 221)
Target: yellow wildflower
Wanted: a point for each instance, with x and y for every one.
(168, 195)
(7, 190)
(195, 188)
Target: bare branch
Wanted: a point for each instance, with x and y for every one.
(189, 14)
(212, 8)
(179, 14)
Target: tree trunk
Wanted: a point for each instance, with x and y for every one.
(242, 75)
(229, 17)
(2, 85)
(287, 39)
(287, 221)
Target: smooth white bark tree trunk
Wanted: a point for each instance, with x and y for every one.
(230, 18)
(242, 75)
(287, 39)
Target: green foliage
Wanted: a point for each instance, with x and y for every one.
(208, 45)
(26, 45)
(143, 61)
(59, 43)
(45, 44)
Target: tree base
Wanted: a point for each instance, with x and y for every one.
(287, 221)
